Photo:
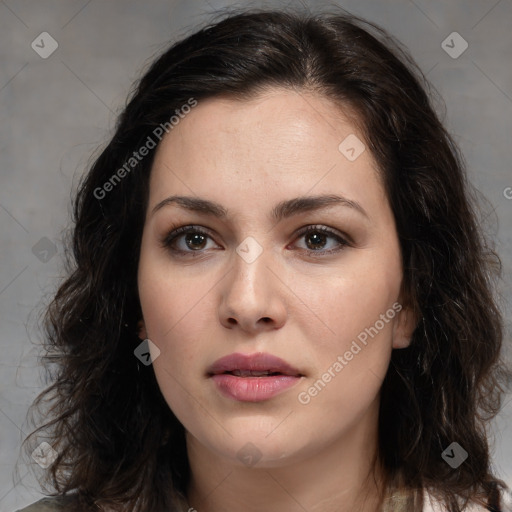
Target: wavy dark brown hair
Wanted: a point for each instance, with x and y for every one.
(118, 442)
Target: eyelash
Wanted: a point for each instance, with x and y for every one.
(174, 234)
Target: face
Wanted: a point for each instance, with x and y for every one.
(274, 318)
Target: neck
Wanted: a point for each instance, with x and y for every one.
(341, 477)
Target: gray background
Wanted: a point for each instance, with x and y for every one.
(56, 111)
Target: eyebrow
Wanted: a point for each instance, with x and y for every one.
(282, 210)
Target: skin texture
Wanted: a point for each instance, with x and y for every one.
(306, 309)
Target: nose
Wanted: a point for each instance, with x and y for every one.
(253, 297)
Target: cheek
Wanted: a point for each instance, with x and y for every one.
(351, 345)
(351, 297)
(179, 314)
(350, 364)
(171, 313)
(166, 307)
(175, 319)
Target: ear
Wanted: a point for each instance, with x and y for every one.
(405, 323)
(141, 330)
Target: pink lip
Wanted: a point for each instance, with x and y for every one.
(251, 388)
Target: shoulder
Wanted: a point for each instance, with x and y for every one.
(431, 504)
(51, 504)
(506, 501)
(70, 503)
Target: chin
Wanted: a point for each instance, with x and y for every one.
(258, 447)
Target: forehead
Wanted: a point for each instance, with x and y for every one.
(278, 142)
(276, 114)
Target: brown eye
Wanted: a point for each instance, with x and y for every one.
(317, 238)
(194, 240)
(186, 240)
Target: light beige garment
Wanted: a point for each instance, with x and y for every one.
(430, 504)
(404, 502)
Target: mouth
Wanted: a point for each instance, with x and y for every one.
(253, 378)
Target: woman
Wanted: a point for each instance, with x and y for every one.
(280, 298)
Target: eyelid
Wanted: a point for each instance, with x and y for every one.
(175, 231)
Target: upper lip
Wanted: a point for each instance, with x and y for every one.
(258, 362)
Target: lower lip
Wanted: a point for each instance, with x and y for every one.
(253, 389)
